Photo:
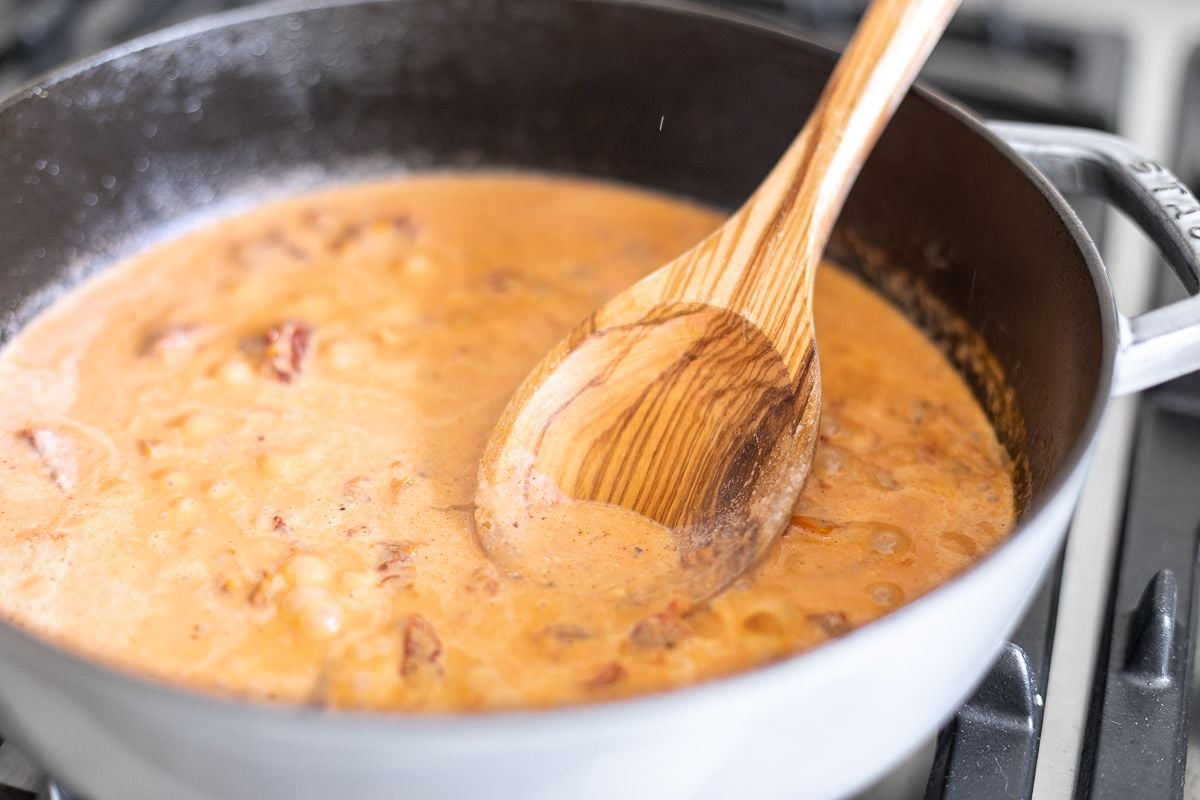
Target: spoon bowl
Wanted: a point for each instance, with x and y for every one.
(691, 419)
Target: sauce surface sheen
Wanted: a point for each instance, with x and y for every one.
(244, 461)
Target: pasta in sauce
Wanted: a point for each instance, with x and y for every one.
(244, 461)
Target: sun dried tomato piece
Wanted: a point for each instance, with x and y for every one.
(404, 225)
(422, 647)
(607, 676)
(814, 524)
(396, 563)
(286, 347)
(397, 556)
(400, 225)
(663, 630)
(55, 453)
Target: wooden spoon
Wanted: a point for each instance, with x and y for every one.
(693, 398)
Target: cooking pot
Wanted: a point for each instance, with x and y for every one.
(144, 141)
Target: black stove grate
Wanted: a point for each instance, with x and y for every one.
(1135, 742)
(990, 747)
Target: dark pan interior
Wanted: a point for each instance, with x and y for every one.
(136, 147)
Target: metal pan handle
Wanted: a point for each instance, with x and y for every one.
(1164, 343)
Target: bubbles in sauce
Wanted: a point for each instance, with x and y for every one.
(244, 461)
(885, 593)
(889, 540)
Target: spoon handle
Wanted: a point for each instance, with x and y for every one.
(761, 263)
(810, 182)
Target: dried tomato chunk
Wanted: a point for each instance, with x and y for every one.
(422, 647)
(663, 630)
(396, 562)
(607, 676)
(287, 345)
(55, 453)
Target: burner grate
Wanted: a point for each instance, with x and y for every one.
(990, 747)
(1135, 744)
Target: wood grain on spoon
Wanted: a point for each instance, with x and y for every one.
(693, 398)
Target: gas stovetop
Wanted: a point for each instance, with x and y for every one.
(1134, 692)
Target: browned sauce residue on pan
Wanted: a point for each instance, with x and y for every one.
(244, 461)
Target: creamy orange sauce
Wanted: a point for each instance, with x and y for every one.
(244, 461)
